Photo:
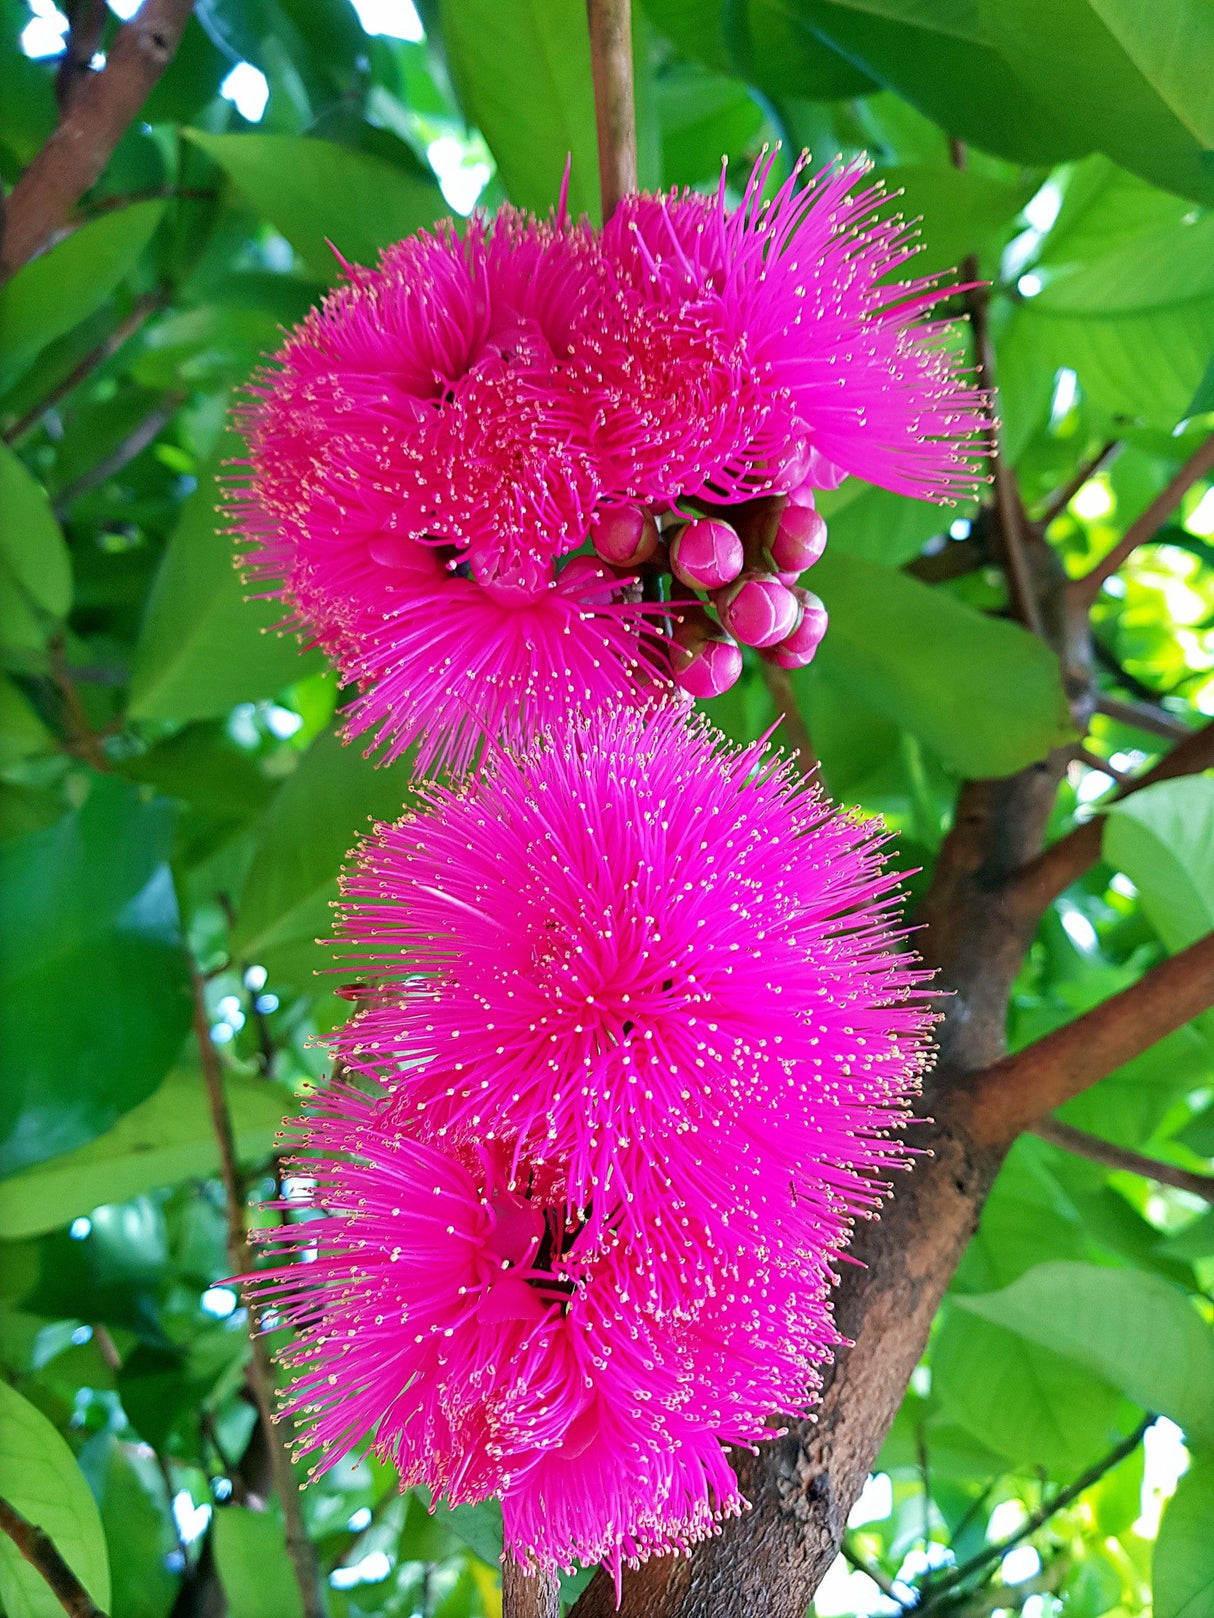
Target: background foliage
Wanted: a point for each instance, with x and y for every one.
(172, 795)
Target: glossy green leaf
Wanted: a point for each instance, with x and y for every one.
(55, 292)
(532, 55)
(94, 993)
(32, 546)
(167, 1138)
(315, 192)
(39, 1476)
(204, 646)
(130, 1493)
(22, 733)
(305, 835)
(1163, 839)
(704, 117)
(1132, 1329)
(984, 695)
(1183, 1566)
(959, 211)
(254, 1568)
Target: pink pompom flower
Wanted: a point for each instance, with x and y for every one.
(662, 963)
(820, 364)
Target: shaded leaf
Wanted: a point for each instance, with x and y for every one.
(1163, 839)
(1183, 1566)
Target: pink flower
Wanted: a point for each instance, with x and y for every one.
(452, 1317)
(657, 961)
(826, 362)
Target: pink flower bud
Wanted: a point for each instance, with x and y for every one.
(803, 494)
(799, 542)
(711, 670)
(516, 586)
(706, 554)
(625, 536)
(798, 649)
(758, 610)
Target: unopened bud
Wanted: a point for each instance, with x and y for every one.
(799, 542)
(706, 554)
(798, 649)
(625, 536)
(758, 610)
(705, 659)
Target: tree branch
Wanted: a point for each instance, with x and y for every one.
(92, 124)
(83, 42)
(1015, 1093)
(1085, 590)
(1045, 876)
(36, 1547)
(1061, 498)
(135, 442)
(299, 1546)
(1121, 1157)
(614, 111)
(1145, 716)
(528, 1595)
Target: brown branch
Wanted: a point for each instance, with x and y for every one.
(1104, 1152)
(1015, 1093)
(82, 739)
(35, 1545)
(528, 1595)
(871, 1571)
(99, 114)
(83, 42)
(135, 442)
(793, 727)
(1045, 876)
(92, 361)
(1061, 498)
(301, 1551)
(1145, 716)
(614, 112)
(1144, 528)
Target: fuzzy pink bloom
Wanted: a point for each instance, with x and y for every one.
(660, 962)
(450, 1316)
(777, 322)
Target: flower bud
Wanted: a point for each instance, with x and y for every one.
(799, 542)
(706, 554)
(758, 610)
(798, 649)
(625, 536)
(705, 660)
(516, 586)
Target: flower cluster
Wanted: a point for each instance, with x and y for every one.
(470, 471)
(639, 1044)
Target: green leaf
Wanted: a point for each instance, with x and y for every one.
(130, 1494)
(254, 1568)
(1162, 839)
(704, 117)
(880, 526)
(305, 834)
(165, 1139)
(523, 76)
(984, 694)
(1129, 79)
(1183, 1566)
(63, 287)
(960, 210)
(39, 1475)
(21, 731)
(315, 192)
(94, 992)
(1203, 400)
(204, 647)
(1158, 268)
(1133, 1329)
(32, 546)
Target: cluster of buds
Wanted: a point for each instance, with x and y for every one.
(731, 583)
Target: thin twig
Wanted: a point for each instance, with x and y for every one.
(300, 1549)
(528, 1595)
(82, 739)
(614, 110)
(39, 1551)
(83, 42)
(1145, 716)
(1144, 528)
(1057, 1502)
(101, 111)
(1061, 498)
(92, 361)
(135, 442)
(795, 730)
(870, 1570)
(1016, 1093)
(1121, 1157)
(1043, 878)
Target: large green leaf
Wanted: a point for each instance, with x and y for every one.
(704, 117)
(32, 546)
(39, 1475)
(316, 192)
(167, 1138)
(1129, 79)
(130, 1493)
(254, 1570)
(523, 76)
(1182, 1572)
(959, 210)
(203, 645)
(94, 992)
(305, 834)
(984, 694)
(57, 291)
(1132, 1329)
(1163, 839)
